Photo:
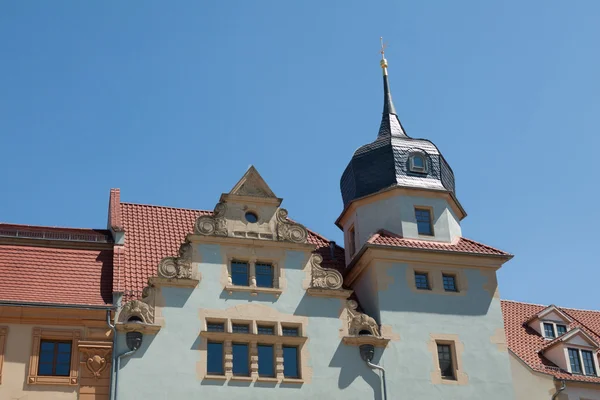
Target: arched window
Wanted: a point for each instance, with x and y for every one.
(418, 163)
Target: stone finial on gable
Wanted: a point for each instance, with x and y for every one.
(252, 185)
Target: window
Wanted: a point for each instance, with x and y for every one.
(549, 330)
(445, 360)
(266, 360)
(239, 273)
(215, 326)
(55, 358)
(561, 329)
(588, 362)
(251, 217)
(575, 361)
(241, 359)
(264, 275)
(449, 283)
(287, 331)
(215, 358)
(351, 240)
(240, 328)
(418, 163)
(265, 330)
(290, 362)
(423, 217)
(421, 280)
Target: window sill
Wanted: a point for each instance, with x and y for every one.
(366, 339)
(267, 379)
(295, 381)
(254, 291)
(319, 292)
(241, 378)
(173, 282)
(216, 377)
(52, 380)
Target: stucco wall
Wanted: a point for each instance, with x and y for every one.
(582, 392)
(528, 384)
(16, 364)
(397, 215)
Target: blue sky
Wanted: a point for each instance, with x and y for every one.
(172, 101)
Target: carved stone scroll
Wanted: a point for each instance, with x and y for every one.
(212, 225)
(289, 231)
(177, 267)
(324, 278)
(358, 322)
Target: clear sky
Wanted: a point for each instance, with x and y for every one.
(172, 101)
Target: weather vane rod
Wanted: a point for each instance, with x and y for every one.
(383, 60)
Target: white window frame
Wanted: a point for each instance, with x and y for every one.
(413, 167)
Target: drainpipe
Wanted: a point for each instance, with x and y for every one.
(112, 360)
(118, 365)
(563, 387)
(367, 351)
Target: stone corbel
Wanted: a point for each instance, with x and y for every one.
(176, 271)
(362, 329)
(289, 231)
(138, 315)
(212, 225)
(325, 282)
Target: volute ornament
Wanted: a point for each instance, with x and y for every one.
(324, 278)
(358, 321)
(177, 267)
(212, 225)
(289, 231)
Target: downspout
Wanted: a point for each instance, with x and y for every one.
(367, 351)
(379, 367)
(563, 387)
(112, 361)
(122, 355)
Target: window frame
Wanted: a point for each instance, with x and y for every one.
(39, 334)
(454, 282)
(55, 353)
(592, 362)
(429, 210)
(452, 356)
(239, 262)
(248, 358)
(575, 351)
(427, 280)
(277, 283)
(352, 240)
(562, 325)
(298, 366)
(550, 325)
(414, 168)
(273, 359)
(271, 275)
(222, 343)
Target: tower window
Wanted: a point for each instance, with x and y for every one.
(418, 163)
(424, 225)
(351, 241)
(421, 280)
(445, 361)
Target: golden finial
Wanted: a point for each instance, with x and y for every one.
(383, 60)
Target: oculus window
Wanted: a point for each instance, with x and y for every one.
(251, 217)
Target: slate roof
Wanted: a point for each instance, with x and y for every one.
(55, 265)
(527, 344)
(154, 232)
(462, 245)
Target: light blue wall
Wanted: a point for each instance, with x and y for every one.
(165, 367)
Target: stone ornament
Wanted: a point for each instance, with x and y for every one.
(96, 363)
(289, 231)
(177, 267)
(358, 321)
(212, 225)
(139, 308)
(324, 278)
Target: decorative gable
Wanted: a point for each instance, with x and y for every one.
(251, 210)
(551, 314)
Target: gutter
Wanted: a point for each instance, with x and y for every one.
(55, 305)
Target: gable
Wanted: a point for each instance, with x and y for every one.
(252, 185)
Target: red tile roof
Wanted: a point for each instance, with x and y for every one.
(57, 275)
(527, 344)
(462, 245)
(154, 232)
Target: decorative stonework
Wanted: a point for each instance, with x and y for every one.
(358, 321)
(289, 231)
(138, 315)
(3, 334)
(212, 225)
(324, 278)
(71, 335)
(96, 357)
(177, 267)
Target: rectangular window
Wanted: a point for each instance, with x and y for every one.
(288, 331)
(445, 360)
(351, 241)
(265, 330)
(561, 330)
(290, 362)
(423, 217)
(575, 361)
(266, 360)
(214, 359)
(239, 273)
(264, 275)
(241, 359)
(549, 330)
(215, 327)
(240, 328)
(421, 280)
(54, 358)
(449, 283)
(588, 362)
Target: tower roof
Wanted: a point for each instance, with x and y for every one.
(390, 160)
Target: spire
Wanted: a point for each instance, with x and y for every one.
(390, 123)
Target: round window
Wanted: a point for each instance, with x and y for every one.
(251, 217)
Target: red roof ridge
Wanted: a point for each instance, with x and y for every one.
(167, 207)
(548, 305)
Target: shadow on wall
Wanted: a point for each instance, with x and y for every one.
(347, 358)
(106, 275)
(146, 342)
(400, 298)
(311, 306)
(176, 297)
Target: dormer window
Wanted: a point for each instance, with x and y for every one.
(561, 329)
(577, 367)
(418, 163)
(549, 330)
